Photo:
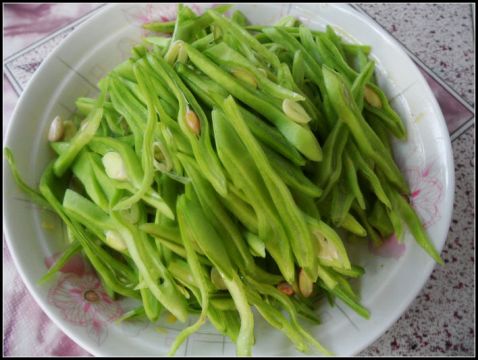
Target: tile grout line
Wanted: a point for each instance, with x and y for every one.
(13, 82)
(419, 62)
(463, 128)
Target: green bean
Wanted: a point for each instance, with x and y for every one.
(214, 95)
(239, 165)
(285, 77)
(298, 68)
(413, 222)
(34, 195)
(152, 307)
(229, 58)
(288, 305)
(186, 27)
(354, 272)
(306, 203)
(241, 210)
(48, 182)
(245, 337)
(239, 18)
(342, 199)
(379, 219)
(380, 129)
(299, 136)
(352, 180)
(331, 250)
(147, 145)
(201, 147)
(350, 224)
(299, 236)
(197, 272)
(366, 139)
(358, 86)
(245, 38)
(334, 58)
(369, 174)
(292, 175)
(335, 39)
(371, 232)
(238, 250)
(276, 319)
(137, 245)
(389, 117)
(350, 301)
(72, 249)
(84, 172)
(313, 69)
(82, 137)
(162, 27)
(330, 169)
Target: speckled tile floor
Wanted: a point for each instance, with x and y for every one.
(441, 319)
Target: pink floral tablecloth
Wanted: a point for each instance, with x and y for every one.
(32, 31)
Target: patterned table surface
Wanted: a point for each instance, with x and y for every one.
(438, 37)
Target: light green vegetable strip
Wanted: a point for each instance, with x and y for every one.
(187, 234)
(82, 137)
(202, 147)
(146, 153)
(299, 236)
(34, 195)
(367, 141)
(299, 136)
(245, 338)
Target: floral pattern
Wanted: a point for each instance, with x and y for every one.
(82, 300)
(426, 192)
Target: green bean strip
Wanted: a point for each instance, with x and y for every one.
(146, 153)
(82, 137)
(197, 272)
(223, 55)
(239, 253)
(34, 195)
(351, 224)
(239, 165)
(299, 136)
(358, 86)
(383, 110)
(369, 174)
(72, 249)
(245, 38)
(214, 95)
(352, 180)
(245, 337)
(313, 69)
(292, 175)
(276, 319)
(299, 236)
(49, 181)
(413, 222)
(334, 57)
(166, 293)
(366, 139)
(162, 27)
(379, 219)
(201, 147)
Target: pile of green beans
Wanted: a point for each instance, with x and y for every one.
(217, 167)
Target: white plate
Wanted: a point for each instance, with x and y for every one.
(390, 284)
